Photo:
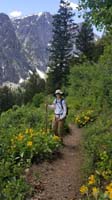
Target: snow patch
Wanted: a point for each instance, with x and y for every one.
(15, 14)
(3, 68)
(30, 72)
(41, 73)
(21, 80)
(40, 14)
(49, 44)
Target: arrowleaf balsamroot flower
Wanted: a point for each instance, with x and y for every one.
(20, 137)
(91, 180)
(84, 189)
(95, 192)
(109, 190)
(56, 138)
(29, 143)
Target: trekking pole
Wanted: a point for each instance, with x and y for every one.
(46, 118)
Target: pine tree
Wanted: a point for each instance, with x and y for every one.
(85, 40)
(61, 46)
(6, 99)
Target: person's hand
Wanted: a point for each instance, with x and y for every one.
(58, 119)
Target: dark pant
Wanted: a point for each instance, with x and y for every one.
(58, 126)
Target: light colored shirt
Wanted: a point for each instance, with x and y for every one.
(60, 109)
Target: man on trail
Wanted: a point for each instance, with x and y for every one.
(60, 111)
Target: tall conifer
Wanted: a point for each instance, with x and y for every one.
(61, 46)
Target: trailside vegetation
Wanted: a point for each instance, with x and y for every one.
(90, 97)
(24, 141)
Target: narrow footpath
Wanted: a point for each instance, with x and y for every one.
(61, 178)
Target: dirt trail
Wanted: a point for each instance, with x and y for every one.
(61, 179)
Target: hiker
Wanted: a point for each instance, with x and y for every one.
(60, 111)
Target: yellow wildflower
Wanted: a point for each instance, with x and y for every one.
(86, 118)
(91, 180)
(29, 143)
(56, 138)
(27, 130)
(84, 189)
(109, 191)
(109, 187)
(95, 192)
(20, 137)
(30, 130)
(110, 195)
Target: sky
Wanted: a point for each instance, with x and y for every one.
(17, 8)
(27, 7)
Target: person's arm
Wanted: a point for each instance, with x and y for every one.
(64, 110)
(52, 106)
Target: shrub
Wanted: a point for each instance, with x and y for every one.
(84, 118)
(22, 141)
(38, 99)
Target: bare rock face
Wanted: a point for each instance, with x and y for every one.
(34, 33)
(13, 63)
(23, 45)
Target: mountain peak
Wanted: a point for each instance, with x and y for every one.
(38, 15)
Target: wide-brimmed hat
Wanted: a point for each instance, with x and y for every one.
(58, 92)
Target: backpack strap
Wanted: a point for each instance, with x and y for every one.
(60, 102)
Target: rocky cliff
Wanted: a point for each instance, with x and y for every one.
(23, 45)
(34, 33)
(13, 63)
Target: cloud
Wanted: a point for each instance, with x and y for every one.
(73, 5)
(15, 13)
